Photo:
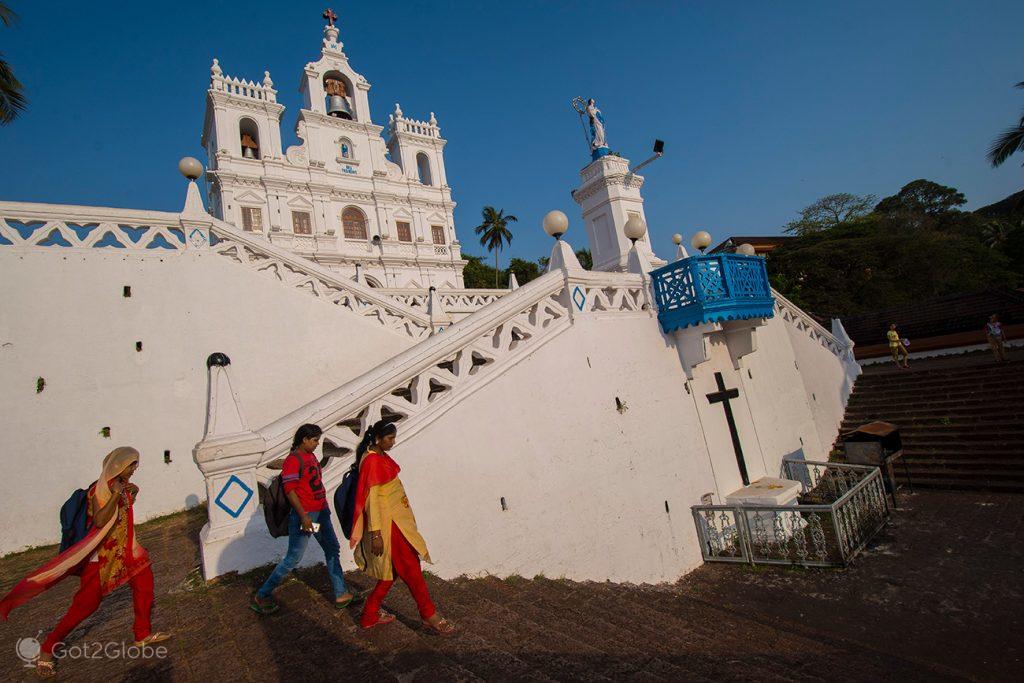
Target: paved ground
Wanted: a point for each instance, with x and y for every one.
(938, 596)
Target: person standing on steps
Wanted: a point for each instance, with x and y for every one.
(896, 347)
(108, 556)
(310, 516)
(996, 338)
(384, 534)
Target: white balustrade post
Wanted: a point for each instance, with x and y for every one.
(235, 535)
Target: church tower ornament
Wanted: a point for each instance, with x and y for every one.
(596, 138)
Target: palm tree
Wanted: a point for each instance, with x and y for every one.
(1011, 140)
(494, 232)
(12, 100)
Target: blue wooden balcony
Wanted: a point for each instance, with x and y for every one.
(713, 288)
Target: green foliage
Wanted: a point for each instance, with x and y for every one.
(493, 232)
(524, 270)
(1008, 142)
(922, 197)
(829, 212)
(477, 274)
(915, 246)
(12, 99)
(586, 260)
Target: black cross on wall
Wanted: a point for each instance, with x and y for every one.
(723, 396)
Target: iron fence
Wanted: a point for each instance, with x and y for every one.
(840, 508)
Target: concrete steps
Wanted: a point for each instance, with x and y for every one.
(961, 419)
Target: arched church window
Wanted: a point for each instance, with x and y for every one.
(423, 168)
(353, 222)
(249, 135)
(336, 90)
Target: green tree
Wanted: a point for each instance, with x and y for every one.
(876, 262)
(585, 259)
(1009, 141)
(922, 197)
(494, 232)
(829, 212)
(524, 270)
(12, 99)
(477, 274)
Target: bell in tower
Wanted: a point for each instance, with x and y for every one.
(249, 146)
(337, 100)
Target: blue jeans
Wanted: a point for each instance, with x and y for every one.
(297, 542)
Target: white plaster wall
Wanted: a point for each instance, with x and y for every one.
(585, 485)
(827, 383)
(779, 403)
(63, 318)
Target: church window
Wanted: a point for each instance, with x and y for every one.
(437, 232)
(301, 223)
(423, 168)
(249, 136)
(353, 222)
(252, 219)
(404, 231)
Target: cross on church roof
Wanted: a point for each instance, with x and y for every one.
(330, 16)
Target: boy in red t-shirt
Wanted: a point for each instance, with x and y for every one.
(310, 515)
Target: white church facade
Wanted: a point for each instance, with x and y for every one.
(565, 427)
(344, 197)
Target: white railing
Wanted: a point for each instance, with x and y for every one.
(421, 383)
(452, 300)
(239, 87)
(59, 226)
(303, 274)
(793, 314)
(163, 234)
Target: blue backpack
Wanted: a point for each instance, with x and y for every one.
(73, 514)
(345, 500)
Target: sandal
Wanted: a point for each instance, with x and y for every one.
(152, 638)
(441, 628)
(262, 608)
(382, 619)
(45, 668)
(344, 603)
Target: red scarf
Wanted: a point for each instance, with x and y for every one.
(374, 470)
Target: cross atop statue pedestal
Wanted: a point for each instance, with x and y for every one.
(330, 16)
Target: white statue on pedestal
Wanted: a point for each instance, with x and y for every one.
(596, 126)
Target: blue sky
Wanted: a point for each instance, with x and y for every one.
(764, 107)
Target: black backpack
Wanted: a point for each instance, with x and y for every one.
(275, 507)
(73, 514)
(345, 499)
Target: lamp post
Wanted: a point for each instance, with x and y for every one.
(556, 223)
(190, 168)
(635, 228)
(746, 249)
(677, 239)
(701, 240)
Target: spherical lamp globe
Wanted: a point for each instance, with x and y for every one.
(746, 249)
(701, 240)
(635, 228)
(677, 239)
(190, 168)
(556, 223)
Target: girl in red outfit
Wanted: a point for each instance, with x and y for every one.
(106, 558)
(390, 544)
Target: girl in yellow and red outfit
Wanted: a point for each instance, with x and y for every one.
(384, 533)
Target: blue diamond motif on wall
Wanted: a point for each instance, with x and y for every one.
(234, 496)
(579, 298)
